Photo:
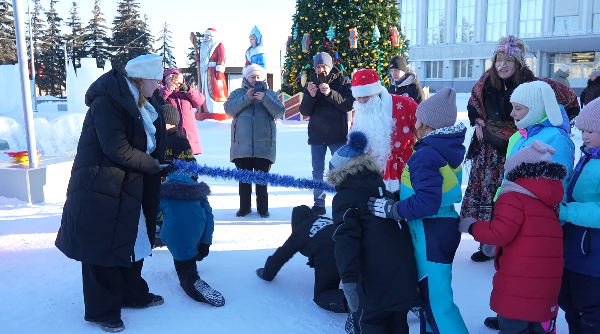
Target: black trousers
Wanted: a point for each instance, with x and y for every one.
(245, 191)
(328, 294)
(107, 289)
(371, 322)
(187, 271)
(513, 326)
(580, 299)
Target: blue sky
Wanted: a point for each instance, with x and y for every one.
(233, 20)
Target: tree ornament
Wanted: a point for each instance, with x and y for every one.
(317, 42)
(395, 36)
(344, 54)
(376, 34)
(295, 31)
(305, 43)
(330, 33)
(344, 13)
(303, 78)
(353, 38)
(309, 5)
(287, 44)
(320, 15)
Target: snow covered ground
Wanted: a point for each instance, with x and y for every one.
(41, 289)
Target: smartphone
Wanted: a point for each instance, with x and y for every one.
(258, 87)
(322, 78)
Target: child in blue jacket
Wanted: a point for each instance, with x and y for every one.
(188, 225)
(580, 290)
(429, 188)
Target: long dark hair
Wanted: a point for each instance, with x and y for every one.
(522, 74)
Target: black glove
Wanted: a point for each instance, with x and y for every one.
(203, 250)
(183, 88)
(392, 195)
(167, 168)
(259, 273)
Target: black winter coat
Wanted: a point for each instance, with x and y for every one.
(313, 239)
(591, 92)
(112, 178)
(178, 146)
(374, 252)
(328, 124)
(408, 86)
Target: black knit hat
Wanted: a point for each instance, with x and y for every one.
(399, 63)
(171, 114)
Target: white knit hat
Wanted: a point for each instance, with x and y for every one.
(145, 67)
(254, 69)
(564, 67)
(539, 97)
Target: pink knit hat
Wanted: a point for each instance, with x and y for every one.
(538, 151)
(589, 117)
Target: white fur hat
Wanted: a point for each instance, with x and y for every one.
(539, 97)
(564, 67)
(145, 67)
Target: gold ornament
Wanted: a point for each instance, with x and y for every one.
(326, 14)
(319, 30)
(372, 27)
(365, 54)
(370, 1)
(344, 13)
(320, 15)
(344, 54)
(317, 42)
(338, 41)
(299, 56)
(362, 15)
(359, 64)
(309, 5)
(384, 25)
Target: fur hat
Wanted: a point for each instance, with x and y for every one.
(439, 111)
(357, 143)
(323, 58)
(564, 67)
(254, 69)
(171, 114)
(539, 97)
(399, 63)
(145, 67)
(366, 82)
(589, 117)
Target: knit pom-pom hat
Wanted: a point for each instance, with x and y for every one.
(539, 97)
(589, 117)
(357, 143)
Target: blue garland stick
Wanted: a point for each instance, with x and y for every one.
(255, 177)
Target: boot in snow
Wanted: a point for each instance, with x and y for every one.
(111, 326)
(479, 256)
(157, 300)
(492, 323)
(349, 324)
(207, 294)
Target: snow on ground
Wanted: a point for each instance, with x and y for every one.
(42, 293)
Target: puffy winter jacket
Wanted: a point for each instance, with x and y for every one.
(187, 216)
(253, 129)
(373, 252)
(582, 215)
(529, 258)
(408, 86)
(591, 92)
(328, 122)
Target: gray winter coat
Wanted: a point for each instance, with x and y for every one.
(561, 77)
(253, 130)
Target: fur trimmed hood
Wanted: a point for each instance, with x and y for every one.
(364, 162)
(184, 190)
(542, 180)
(553, 171)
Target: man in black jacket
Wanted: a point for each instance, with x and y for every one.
(404, 82)
(312, 237)
(327, 101)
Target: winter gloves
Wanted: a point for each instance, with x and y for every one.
(167, 168)
(183, 88)
(351, 293)
(203, 250)
(465, 225)
(384, 208)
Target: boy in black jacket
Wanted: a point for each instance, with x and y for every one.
(178, 147)
(374, 256)
(312, 237)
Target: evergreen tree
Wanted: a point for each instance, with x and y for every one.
(52, 77)
(373, 19)
(8, 38)
(130, 35)
(166, 50)
(37, 30)
(147, 39)
(75, 40)
(96, 37)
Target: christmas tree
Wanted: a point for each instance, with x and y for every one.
(96, 37)
(52, 55)
(37, 30)
(8, 38)
(166, 50)
(75, 40)
(130, 37)
(356, 33)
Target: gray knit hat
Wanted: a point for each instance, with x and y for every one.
(538, 151)
(323, 58)
(439, 111)
(589, 117)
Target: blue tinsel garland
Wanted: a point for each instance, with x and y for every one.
(255, 177)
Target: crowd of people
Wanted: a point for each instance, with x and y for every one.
(397, 171)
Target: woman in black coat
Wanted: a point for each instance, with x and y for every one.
(109, 217)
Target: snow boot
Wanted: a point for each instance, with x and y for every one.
(349, 327)
(157, 300)
(265, 214)
(480, 257)
(242, 213)
(111, 326)
(208, 295)
(492, 323)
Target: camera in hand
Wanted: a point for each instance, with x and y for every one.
(258, 87)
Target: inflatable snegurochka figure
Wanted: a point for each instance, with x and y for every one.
(255, 53)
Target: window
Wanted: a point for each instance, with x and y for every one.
(409, 19)
(531, 62)
(566, 25)
(556, 59)
(488, 64)
(435, 21)
(465, 21)
(434, 69)
(495, 26)
(463, 68)
(530, 23)
(596, 24)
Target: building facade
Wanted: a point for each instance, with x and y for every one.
(452, 40)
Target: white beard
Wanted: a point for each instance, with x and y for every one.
(375, 122)
(205, 49)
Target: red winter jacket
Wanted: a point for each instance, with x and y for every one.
(529, 260)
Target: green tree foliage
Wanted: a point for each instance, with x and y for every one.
(166, 49)
(96, 37)
(8, 39)
(52, 57)
(130, 34)
(75, 39)
(315, 17)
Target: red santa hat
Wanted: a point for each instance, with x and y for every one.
(211, 32)
(366, 82)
